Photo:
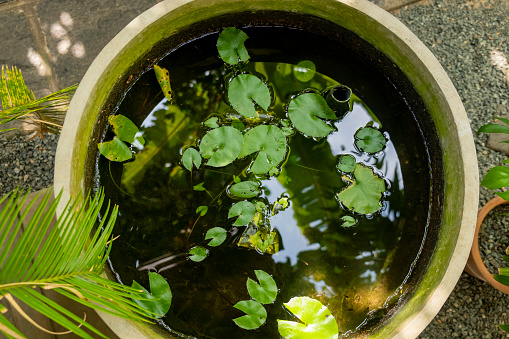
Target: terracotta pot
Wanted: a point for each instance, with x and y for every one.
(475, 266)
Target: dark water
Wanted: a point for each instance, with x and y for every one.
(359, 273)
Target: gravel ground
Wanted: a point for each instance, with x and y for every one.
(471, 40)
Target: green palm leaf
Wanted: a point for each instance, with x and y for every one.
(18, 102)
(68, 258)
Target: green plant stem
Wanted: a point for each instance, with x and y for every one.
(112, 179)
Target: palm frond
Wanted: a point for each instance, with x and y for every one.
(69, 261)
(18, 102)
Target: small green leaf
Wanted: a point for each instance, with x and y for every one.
(305, 112)
(230, 46)
(504, 271)
(260, 206)
(244, 210)
(287, 127)
(493, 128)
(236, 179)
(505, 258)
(159, 297)
(218, 236)
(191, 157)
(304, 70)
(255, 314)
(198, 253)
(364, 194)
(503, 195)
(348, 221)
(123, 128)
(245, 189)
(266, 291)
(282, 203)
(244, 91)
(212, 122)
(202, 210)
(199, 187)
(163, 78)
(346, 163)
(370, 140)
(270, 143)
(504, 327)
(238, 125)
(497, 177)
(221, 146)
(115, 150)
(317, 321)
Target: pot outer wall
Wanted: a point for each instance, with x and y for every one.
(113, 65)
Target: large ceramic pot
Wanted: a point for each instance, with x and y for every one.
(454, 210)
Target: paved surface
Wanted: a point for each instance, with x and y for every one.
(54, 41)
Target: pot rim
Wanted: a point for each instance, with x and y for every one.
(387, 34)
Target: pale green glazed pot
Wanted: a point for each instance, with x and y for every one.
(370, 23)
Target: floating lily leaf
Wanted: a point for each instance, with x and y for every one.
(317, 321)
(255, 314)
(199, 187)
(115, 150)
(265, 242)
(244, 210)
(198, 253)
(346, 163)
(348, 221)
(270, 143)
(260, 206)
(305, 112)
(202, 210)
(218, 236)
(230, 46)
(191, 157)
(364, 194)
(287, 128)
(282, 203)
(212, 122)
(266, 291)
(159, 297)
(124, 128)
(370, 140)
(244, 91)
(246, 189)
(163, 78)
(304, 70)
(221, 146)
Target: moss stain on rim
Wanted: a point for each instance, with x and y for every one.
(389, 36)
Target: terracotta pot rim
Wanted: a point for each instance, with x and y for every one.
(475, 265)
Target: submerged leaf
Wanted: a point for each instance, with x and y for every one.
(370, 140)
(346, 163)
(159, 297)
(270, 143)
(191, 157)
(364, 194)
(305, 112)
(245, 189)
(124, 128)
(244, 210)
(255, 314)
(317, 321)
(115, 150)
(199, 187)
(163, 78)
(218, 236)
(304, 70)
(266, 291)
(244, 91)
(198, 253)
(230, 46)
(221, 146)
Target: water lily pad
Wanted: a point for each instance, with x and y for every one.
(348, 221)
(244, 210)
(364, 194)
(230, 46)
(217, 236)
(370, 140)
(304, 70)
(191, 157)
(244, 91)
(212, 122)
(202, 210)
(245, 189)
(266, 291)
(163, 78)
(255, 314)
(305, 112)
(270, 143)
(115, 150)
(198, 253)
(124, 128)
(317, 321)
(346, 163)
(221, 146)
(159, 297)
